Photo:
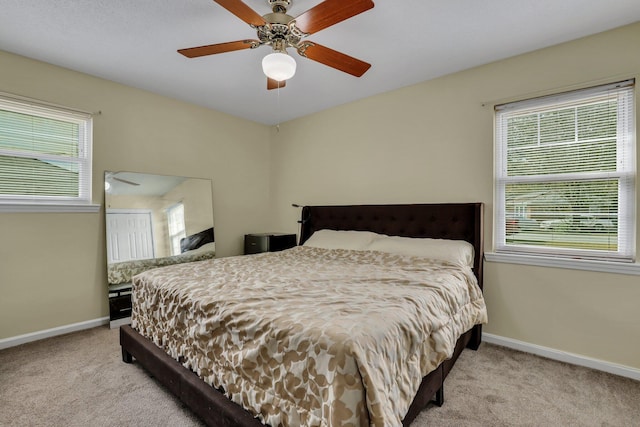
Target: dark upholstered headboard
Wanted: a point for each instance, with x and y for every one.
(194, 241)
(456, 221)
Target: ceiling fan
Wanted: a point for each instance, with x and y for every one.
(281, 31)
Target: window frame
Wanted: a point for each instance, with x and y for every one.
(627, 174)
(33, 203)
(181, 232)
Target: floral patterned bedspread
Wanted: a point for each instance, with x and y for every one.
(310, 336)
(123, 272)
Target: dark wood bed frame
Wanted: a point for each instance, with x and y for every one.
(457, 221)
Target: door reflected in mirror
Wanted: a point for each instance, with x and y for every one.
(153, 221)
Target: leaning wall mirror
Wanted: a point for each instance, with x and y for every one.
(152, 221)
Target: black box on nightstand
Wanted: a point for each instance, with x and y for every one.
(268, 242)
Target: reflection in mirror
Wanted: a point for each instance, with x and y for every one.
(152, 221)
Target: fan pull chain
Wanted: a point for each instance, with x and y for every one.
(278, 107)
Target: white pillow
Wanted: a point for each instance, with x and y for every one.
(335, 239)
(458, 252)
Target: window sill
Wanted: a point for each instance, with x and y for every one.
(575, 264)
(52, 207)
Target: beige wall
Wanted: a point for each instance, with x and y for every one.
(53, 266)
(433, 142)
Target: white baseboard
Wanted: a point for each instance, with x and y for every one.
(562, 356)
(48, 333)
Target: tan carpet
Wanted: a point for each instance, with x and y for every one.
(80, 380)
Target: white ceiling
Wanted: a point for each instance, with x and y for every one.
(134, 42)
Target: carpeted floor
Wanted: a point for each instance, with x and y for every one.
(80, 380)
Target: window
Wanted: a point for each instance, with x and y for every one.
(45, 155)
(177, 229)
(565, 174)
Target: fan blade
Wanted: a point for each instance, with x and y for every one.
(212, 49)
(329, 13)
(333, 58)
(125, 181)
(274, 84)
(242, 11)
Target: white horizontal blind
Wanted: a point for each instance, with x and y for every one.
(565, 174)
(45, 154)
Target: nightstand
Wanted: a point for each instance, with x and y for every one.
(119, 305)
(268, 242)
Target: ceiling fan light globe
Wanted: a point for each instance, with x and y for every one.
(279, 66)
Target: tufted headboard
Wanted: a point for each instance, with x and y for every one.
(456, 221)
(194, 241)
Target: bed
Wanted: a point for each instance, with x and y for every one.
(173, 362)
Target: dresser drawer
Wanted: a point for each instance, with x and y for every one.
(120, 306)
(268, 242)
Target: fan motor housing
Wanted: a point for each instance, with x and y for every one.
(277, 18)
(279, 5)
(279, 31)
